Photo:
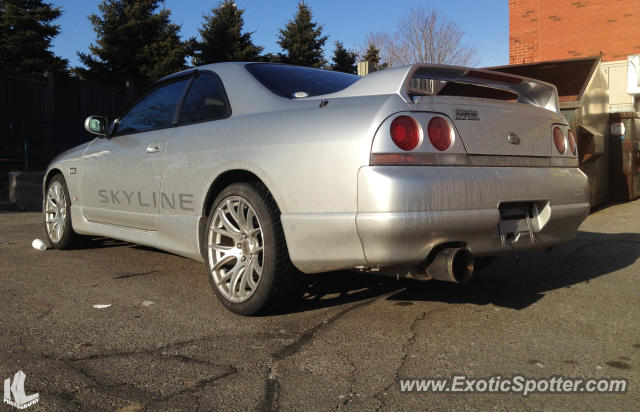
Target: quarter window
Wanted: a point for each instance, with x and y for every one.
(206, 100)
(155, 110)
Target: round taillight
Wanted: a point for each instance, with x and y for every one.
(405, 132)
(558, 139)
(572, 141)
(440, 133)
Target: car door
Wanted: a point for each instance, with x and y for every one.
(193, 148)
(121, 175)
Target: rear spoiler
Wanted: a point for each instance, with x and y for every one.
(398, 80)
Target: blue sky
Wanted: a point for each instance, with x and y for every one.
(485, 22)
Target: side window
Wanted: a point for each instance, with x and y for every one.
(206, 100)
(154, 110)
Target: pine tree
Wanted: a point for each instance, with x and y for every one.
(134, 42)
(302, 40)
(372, 55)
(222, 37)
(270, 58)
(26, 31)
(344, 60)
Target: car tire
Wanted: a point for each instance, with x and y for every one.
(57, 215)
(246, 253)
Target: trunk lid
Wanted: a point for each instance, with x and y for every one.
(495, 127)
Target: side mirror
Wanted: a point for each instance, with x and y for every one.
(96, 125)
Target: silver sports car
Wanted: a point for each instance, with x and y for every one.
(264, 171)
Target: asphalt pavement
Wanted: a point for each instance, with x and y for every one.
(161, 340)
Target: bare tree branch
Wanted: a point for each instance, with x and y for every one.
(423, 36)
(383, 42)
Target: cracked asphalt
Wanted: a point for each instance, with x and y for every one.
(165, 343)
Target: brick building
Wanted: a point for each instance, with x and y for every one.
(541, 30)
(547, 30)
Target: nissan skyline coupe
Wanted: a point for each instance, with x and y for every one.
(263, 171)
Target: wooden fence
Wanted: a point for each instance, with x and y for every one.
(41, 116)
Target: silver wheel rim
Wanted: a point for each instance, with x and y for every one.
(55, 212)
(235, 249)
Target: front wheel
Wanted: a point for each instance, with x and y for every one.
(247, 258)
(57, 214)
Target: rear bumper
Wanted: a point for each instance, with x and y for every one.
(405, 211)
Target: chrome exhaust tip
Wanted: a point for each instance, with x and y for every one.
(453, 264)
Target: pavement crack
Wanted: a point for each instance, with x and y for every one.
(91, 381)
(351, 391)
(21, 343)
(131, 275)
(406, 349)
(272, 383)
(131, 391)
(232, 370)
(45, 314)
(158, 351)
(272, 392)
(66, 396)
(308, 334)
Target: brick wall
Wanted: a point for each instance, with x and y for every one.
(541, 30)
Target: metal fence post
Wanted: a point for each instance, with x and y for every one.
(26, 145)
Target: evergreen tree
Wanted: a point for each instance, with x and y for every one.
(372, 55)
(344, 60)
(270, 58)
(302, 40)
(222, 37)
(26, 31)
(134, 42)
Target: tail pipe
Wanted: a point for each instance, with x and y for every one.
(452, 264)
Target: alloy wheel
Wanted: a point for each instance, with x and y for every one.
(235, 249)
(55, 211)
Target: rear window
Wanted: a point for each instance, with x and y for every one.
(296, 81)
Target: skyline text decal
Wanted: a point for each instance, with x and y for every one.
(137, 198)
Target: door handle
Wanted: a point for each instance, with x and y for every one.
(154, 147)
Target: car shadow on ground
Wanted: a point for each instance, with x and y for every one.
(104, 242)
(513, 281)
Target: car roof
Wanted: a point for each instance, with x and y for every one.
(196, 68)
